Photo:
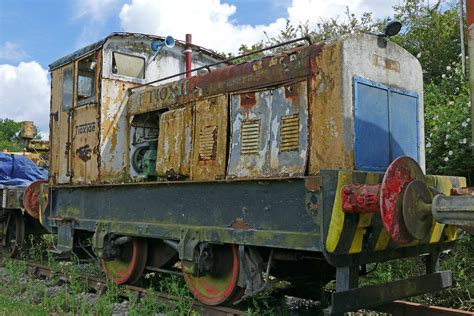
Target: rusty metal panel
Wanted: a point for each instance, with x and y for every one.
(210, 142)
(250, 138)
(114, 131)
(85, 144)
(175, 143)
(289, 130)
(269, 132)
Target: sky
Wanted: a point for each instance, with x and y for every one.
(34, 33)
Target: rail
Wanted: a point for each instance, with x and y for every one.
(100, 285)
(396, 308)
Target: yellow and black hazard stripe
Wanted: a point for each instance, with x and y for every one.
(356, 233)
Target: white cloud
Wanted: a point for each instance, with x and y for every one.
(314, 10)
(93, 15)
(24, 94)
(94, 9)
(12, 52)
(208, 20)
(212, 26)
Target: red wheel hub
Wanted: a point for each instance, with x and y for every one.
(31, 198)
(129, 266)
(399, 174)
(220, 285)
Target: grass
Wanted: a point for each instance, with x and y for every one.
(25, 295)
(459, 261)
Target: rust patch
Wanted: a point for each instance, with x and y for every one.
(84, 153)
(291, 91)
(239, 223)
(386, 63)
(313, 184)
(210, 143)
(247, 100)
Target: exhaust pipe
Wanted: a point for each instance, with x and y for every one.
(189, 55)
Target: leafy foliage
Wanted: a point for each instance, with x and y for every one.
(448, 124)
(431, 34)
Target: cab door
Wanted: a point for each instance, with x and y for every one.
(62, 92)
(85, 122)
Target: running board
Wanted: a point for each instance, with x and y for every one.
(369, 296)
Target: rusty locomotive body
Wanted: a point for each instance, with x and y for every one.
(287, 165)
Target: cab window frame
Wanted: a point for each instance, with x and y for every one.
(92, 98)
(127, 54)
(68, 71)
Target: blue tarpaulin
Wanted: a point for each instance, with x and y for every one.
(16, 170)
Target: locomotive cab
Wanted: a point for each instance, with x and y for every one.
(90, 134)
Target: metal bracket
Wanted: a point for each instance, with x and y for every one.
(251, 272)
(187, 246)
(98, 240)
(65, 237)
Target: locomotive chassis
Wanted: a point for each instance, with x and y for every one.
(131, 210)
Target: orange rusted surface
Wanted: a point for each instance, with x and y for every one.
(85, 144)
(54, 125)
(210, 139)
(326, 112)
(175, 143)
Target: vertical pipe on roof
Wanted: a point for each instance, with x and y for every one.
(188, 53)
(470, 49)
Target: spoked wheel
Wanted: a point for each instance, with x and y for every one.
(220, 285)
(129, 264)
(15, 237)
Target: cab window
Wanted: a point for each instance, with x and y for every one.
(86, 69)
(67, 88)
(128, 65)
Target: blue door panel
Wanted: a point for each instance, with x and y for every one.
(403, 114)
(386, 125)
(372, 140)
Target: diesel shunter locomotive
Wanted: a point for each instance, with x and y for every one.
(304, 165)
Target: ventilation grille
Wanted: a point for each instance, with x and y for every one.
(208, 143)
(250, 137)
(290, 132)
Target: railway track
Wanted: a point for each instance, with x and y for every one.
(99, 285)
(396, 308)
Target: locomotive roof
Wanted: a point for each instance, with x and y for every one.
(92, 47)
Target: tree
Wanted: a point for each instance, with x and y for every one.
(431, 33)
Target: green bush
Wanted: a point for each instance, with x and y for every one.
(448, 125)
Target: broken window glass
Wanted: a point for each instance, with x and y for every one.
(86, 80)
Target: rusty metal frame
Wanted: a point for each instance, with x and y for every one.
(226, 61)
(274, 212)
